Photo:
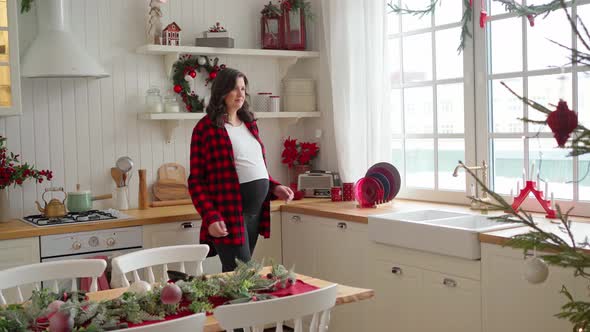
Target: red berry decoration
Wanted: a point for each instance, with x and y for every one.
(216, 68)
(177, 88)
(212, 75)
(171, 294)
(562, 122)
(192, 73)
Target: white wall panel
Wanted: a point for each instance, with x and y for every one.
(79, 127)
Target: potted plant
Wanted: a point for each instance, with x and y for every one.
(298, 156)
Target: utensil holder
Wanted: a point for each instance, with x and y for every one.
(121, 198)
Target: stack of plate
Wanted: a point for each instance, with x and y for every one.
(381, 184)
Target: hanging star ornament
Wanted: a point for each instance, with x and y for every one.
(562, 122)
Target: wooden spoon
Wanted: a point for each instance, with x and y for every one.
(117, 176)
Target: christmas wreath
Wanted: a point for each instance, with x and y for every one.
(185, 71)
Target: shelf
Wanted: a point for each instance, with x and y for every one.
(172, 120)
(171, 54)
(198, 116)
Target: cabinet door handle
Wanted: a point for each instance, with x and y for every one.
(295, 219)
(186, 225)
(396, 270)
(449, 282)
(342, 225)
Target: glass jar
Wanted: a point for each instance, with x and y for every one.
(153, 100)
(171, 104)
(275, 104)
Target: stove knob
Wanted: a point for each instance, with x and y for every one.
(93, 241)
(110, 242)
(76, 245)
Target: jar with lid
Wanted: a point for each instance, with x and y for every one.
(171, 104)
(261, 102)
(275, 103)
(153, 100)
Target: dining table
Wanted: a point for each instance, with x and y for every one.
(346, 294)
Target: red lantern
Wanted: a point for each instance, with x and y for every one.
(562, 122)
(294, 28)
(272, 32)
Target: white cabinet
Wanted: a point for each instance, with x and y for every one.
(10, 95)
(270, 249)
(16, 253)
(332, 250)
(419, 291)
(510, 303)
(176, 233)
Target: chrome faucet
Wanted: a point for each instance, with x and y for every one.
(484, 179)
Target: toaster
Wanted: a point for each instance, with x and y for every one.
(317, 183)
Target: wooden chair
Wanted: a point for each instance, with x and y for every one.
(147, 258)
(254, 316)
(55, 271)
(192, 323)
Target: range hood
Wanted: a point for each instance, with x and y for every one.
(56, 51)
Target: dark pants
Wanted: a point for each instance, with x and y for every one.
(229, 253)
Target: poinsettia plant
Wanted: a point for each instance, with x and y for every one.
(13, 171)
(298, 153)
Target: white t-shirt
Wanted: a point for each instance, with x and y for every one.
(247, 154)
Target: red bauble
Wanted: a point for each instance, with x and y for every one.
(212, 75)
(216, 68)
(192, 73)
(177, 88)
(171, 294)
(562, 122)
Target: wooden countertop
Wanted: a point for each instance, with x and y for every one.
(346, 294)
(16, 229)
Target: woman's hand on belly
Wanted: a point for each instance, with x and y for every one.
(218, 229)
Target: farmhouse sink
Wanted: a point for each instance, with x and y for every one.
(437, 231)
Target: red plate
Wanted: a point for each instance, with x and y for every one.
(392, 175)
(368, 191)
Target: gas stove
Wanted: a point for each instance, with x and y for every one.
(74, 218)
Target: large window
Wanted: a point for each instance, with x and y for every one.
(428, 99)
(449, 106)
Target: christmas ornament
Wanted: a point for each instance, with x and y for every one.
(483, 15)
(154, 25)
(535, 270)
(140, 287)
(531, 19)
(171, 294)
(185, 70)
(562, 122)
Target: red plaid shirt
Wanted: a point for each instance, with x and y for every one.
(214, 185)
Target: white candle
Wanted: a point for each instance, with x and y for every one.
(524, 176)
(538, 180)
(517, 188)
(532, 170)
(552, 200)
(511, 193)
(472, 190)
(546, 187)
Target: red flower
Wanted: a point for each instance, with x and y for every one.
(298, 153)
(13, 171)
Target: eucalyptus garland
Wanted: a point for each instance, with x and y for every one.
(186, 70)
(72, 311)
(530, 11)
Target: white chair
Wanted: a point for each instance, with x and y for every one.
(192, 323)
(55, 271)
(148, 258)
(253, 316)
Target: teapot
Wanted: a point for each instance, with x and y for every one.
(55, 208)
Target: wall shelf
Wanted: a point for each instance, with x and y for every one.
(171, 53)
(172, 120)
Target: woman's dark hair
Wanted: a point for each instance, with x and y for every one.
(223, 84)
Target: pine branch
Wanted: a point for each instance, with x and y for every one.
(429, 10)
(465, 22)
(532, 10)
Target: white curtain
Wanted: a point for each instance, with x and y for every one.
(354, 37)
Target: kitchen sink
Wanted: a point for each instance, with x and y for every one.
(437, 231)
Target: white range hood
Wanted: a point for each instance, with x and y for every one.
(56, 51)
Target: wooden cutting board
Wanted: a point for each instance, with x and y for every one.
(171, 184)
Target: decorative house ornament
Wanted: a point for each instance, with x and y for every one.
(294, 12)
(171, 35)
(154, 26)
